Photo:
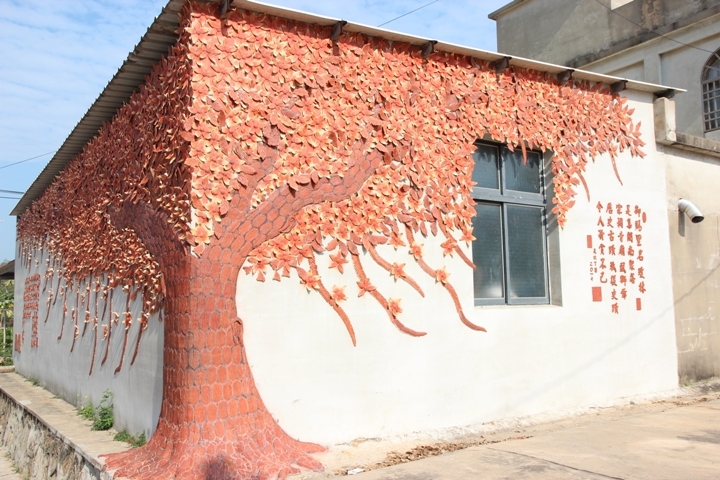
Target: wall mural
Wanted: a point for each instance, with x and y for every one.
(258, 144)
(31, 299)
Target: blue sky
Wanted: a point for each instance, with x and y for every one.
(56, 56)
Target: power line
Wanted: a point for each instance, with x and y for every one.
(12, 198)
(408, 13)
(26, 160)
(12, 191)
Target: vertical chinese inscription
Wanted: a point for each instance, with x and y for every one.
(617, 262)
(31, 297)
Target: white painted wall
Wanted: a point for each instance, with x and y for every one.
(137, 388)
(533, 359)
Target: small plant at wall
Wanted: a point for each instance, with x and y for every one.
(134, 440)
(139, 441)
(33, 380)
(101, 415)
(123, 436)
(87, 411)
(104, 417)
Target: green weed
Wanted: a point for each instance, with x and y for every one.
(135, 441)
(101, 415)
(139, 441)
(123, 436)
(104, 416)
(87, 411)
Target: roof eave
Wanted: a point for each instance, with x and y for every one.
(7, 270)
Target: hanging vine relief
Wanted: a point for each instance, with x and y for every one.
(259, 143)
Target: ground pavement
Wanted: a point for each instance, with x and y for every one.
(671, 438)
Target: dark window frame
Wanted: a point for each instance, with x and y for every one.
(505, 197)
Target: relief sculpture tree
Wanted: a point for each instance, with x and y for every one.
(256, 146)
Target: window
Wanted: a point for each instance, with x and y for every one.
(711, 93)
(510, 248)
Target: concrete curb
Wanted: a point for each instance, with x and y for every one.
(60, 420)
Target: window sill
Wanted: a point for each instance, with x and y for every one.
(505, 305)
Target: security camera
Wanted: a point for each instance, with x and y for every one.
(691, 210)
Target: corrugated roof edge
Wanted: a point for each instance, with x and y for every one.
(165, 26)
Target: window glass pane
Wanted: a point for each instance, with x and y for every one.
(487, 250)
(712, 70)
(485, 172)
(526, 261)
(519, 176)
(711, 103)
